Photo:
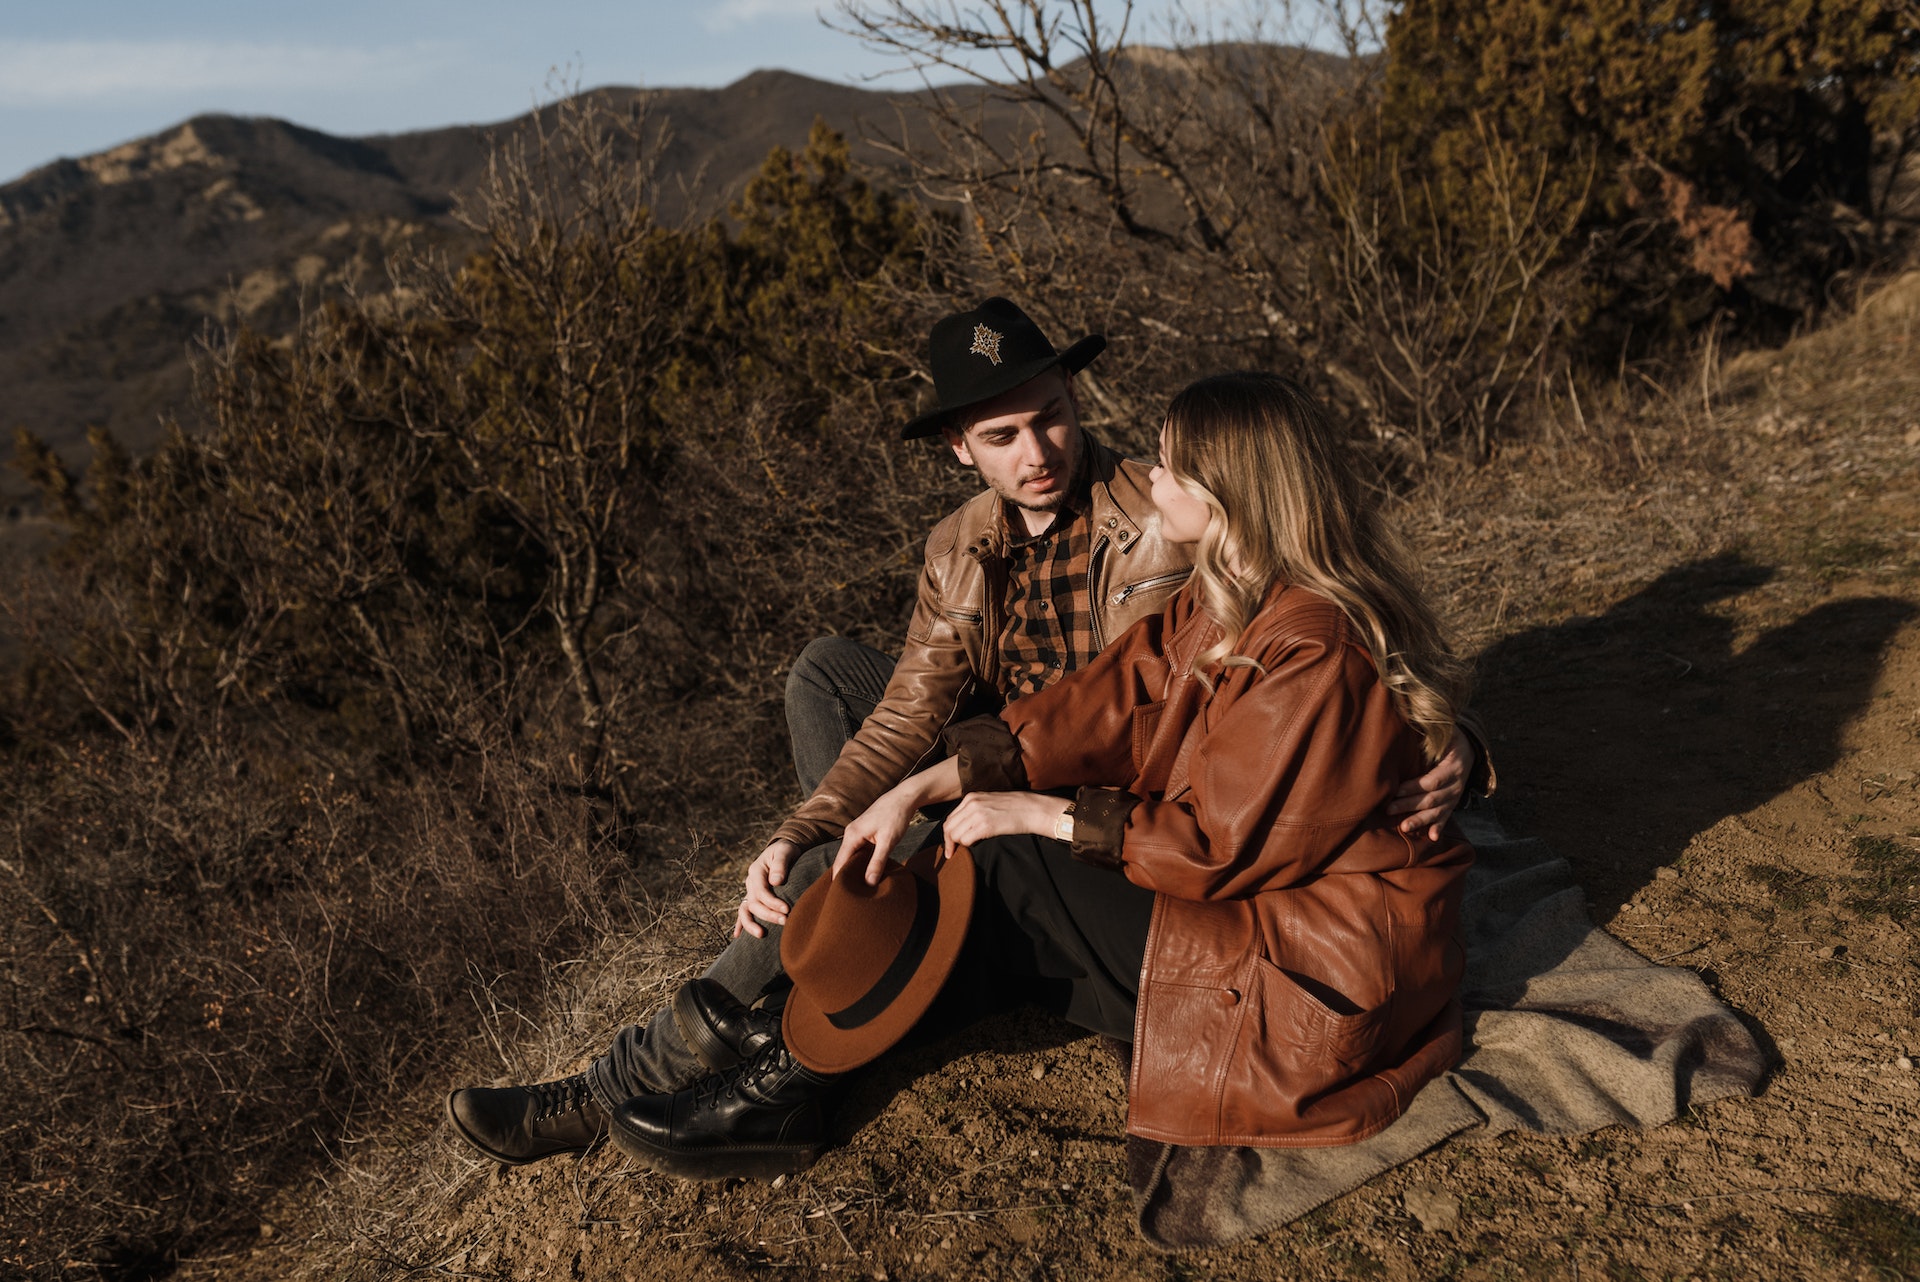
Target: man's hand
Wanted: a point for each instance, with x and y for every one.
(875, 832)
(1433, 797)
(1001, 814)
(768, 870)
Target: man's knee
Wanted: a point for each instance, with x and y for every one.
(815, 668)
(807, 867)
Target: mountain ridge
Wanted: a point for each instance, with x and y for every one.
(112, 264)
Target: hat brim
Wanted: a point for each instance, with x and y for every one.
(814, 1039)
(1073, 360)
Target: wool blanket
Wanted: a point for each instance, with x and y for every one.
(1567, 1031)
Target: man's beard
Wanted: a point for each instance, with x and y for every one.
(1051, 502)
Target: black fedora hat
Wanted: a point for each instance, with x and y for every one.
(994, 348)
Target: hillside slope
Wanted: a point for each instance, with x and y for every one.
(1699, 645)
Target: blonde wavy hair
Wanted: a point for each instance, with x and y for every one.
(1288, 504)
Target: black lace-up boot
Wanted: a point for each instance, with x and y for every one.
(764, 1117)
(718, 1027)
(521, 1124)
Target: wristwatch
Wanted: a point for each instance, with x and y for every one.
(1063, 826)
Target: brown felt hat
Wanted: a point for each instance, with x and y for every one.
(867, 961)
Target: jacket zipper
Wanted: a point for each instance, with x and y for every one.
(1120, 597)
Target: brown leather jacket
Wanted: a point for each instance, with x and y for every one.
(953, 638)
(1302, 964)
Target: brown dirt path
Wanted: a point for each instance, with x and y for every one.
(1701, 659)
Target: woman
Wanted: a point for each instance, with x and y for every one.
(1297, 953)
(1184, 845)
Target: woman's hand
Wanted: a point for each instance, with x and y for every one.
(1001, 814)
(1435, 795)
(769, 869)
(874, 833)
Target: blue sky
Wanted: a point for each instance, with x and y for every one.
(77, 76)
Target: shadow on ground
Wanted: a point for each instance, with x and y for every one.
(1621, 737)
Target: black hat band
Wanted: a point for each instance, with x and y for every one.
(893, 980)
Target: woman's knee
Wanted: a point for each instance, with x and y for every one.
(997, 859)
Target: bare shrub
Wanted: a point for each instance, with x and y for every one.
(1167, 196)
(1450, 322)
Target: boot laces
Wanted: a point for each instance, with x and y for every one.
(557, 1098)
(769, 1061)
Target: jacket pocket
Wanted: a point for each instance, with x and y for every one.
(1294, 1049)
(1146, 721)
(1123, 595)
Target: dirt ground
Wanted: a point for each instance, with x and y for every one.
(1700, 664)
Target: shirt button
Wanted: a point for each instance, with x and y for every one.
(1229, 997)
(1112, 521)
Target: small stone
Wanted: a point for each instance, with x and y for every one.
(779, 1181)
(1904, 1064)
(1039, 1071)
(1823, 952)
(1436, 1209)
(1667, 874)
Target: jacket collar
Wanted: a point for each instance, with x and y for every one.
(1121, 503)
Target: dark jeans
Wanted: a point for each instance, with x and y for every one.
(833, 687)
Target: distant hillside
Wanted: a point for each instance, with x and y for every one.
(111, 265)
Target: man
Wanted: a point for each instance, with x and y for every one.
(1028, 580)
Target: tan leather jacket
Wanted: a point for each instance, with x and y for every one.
(953, 638)
(1302, 964)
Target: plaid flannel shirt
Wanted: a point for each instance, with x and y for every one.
(1049, 628)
